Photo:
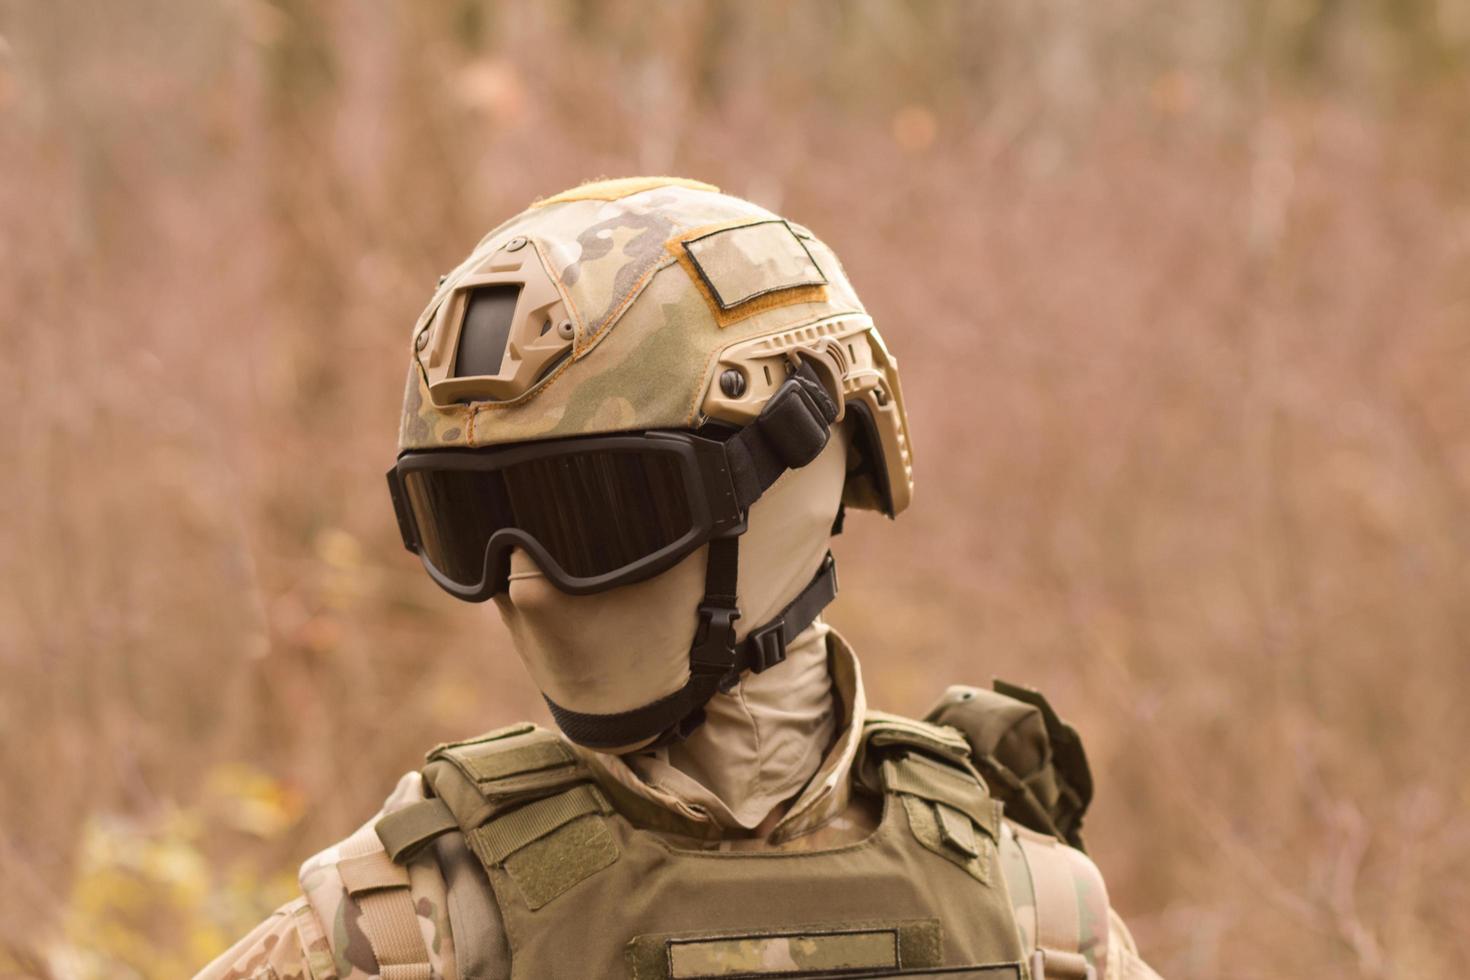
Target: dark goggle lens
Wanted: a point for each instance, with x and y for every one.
(456, 512)
(593, 512)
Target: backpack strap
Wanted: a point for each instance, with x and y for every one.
(381, 889)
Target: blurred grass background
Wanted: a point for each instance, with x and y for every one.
(1182, 297)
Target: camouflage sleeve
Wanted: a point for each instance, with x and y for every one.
(282, 947)
(1062, 909)
(320, 936)
(349, 949)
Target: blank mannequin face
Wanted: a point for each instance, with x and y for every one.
(623, 648)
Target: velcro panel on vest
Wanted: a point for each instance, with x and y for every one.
(824, 950)
(550, 845)
(948, 808)
(484, 776)
(955, 788)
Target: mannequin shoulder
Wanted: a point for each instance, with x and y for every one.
(358, 912)
(1062, 910)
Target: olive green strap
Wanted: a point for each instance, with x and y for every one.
(381, 890)
(404, 831)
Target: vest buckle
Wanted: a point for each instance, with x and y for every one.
(713, 652)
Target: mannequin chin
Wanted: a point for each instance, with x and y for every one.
(621, 649)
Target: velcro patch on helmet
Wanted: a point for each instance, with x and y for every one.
(750, 267)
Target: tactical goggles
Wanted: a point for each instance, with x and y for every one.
(594, 513)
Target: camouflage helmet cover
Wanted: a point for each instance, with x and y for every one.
(649, 303)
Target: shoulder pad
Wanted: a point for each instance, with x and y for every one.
(481, 777)
(881, 729)
(928, 767)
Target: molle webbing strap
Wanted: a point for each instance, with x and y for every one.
(381, 890)
(763, 648)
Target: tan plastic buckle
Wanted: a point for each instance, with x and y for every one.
(1053, 964)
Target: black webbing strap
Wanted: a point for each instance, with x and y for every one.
(723, 661)
(792, 430)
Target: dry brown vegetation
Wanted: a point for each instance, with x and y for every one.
(1182, 296)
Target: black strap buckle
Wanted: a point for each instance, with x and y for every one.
(713, 651)
(767, 645)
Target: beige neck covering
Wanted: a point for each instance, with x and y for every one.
(620, 649)
(760, 743)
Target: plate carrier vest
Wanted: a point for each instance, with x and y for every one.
(579, 890)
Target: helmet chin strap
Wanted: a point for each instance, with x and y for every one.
(790, 432)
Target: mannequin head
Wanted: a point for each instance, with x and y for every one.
(616, 650)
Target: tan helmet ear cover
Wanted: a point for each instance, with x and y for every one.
(617, 650)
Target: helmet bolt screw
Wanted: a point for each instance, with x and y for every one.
(732, 383)
(565, 330)
(516, 244)
(421, 341)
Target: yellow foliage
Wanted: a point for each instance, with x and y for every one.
(146, 901)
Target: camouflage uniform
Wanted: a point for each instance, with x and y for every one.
(317, 936)
(673, 287)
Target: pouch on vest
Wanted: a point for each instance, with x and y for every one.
(1032, 760)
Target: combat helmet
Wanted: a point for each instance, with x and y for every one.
(610, 380)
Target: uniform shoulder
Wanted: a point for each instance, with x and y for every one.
(404, 889)
(374, 912)
(1066, 920)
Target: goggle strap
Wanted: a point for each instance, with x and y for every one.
(716, 660)
(792, 430)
